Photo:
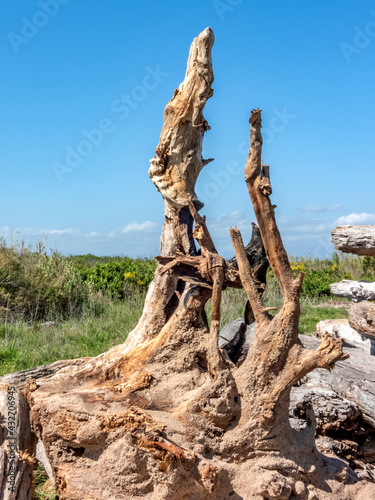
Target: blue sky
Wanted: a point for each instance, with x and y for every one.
(75, 71)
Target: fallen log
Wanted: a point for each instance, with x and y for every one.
(355, 290)
(362, 318)
(353, 380)
(344, 405)
(341, 329)
(359, 240)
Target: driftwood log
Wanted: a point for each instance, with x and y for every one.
(20, 446)
(342, 398)
(344, 406)
(353, 380)
(362, 318)
(359, 240)
(168, 414)
(340, 328)
(355, 290)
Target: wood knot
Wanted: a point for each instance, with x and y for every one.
(198, 232)
(265, 186)
(25, 456)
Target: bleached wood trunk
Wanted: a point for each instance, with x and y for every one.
(355, 290)
(359, 240)
(174, 171)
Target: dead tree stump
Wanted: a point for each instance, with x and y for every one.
(168, 414)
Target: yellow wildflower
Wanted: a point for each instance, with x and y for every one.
(129, 275)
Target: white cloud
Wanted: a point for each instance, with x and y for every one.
(143, 227)
(93, 234)
(362, 218)
(310, 209)
(33, 231)
(68, 230)
(134, 240)
(224, 222)
(309, 227)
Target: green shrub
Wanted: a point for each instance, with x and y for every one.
(316, 283)
(320, 273)
(36, 286)
(120, 278)
(368, 267)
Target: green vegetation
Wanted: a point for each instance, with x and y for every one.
(35, 286)
(119, 276)
(54, 307)
(313, 309)
(44, 489)
(25, 345)
(320, 273)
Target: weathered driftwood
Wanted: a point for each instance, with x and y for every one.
(359, 240)
(362, 318)
(167, 415)
(22, 441)
(17, 445)
(342, 398)
(19, 379)
(353, 380)
(234, 338)
(174, 171)
(344, 404)
(340, 328)
(352, 452)
(256, 255)
(355, 290)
